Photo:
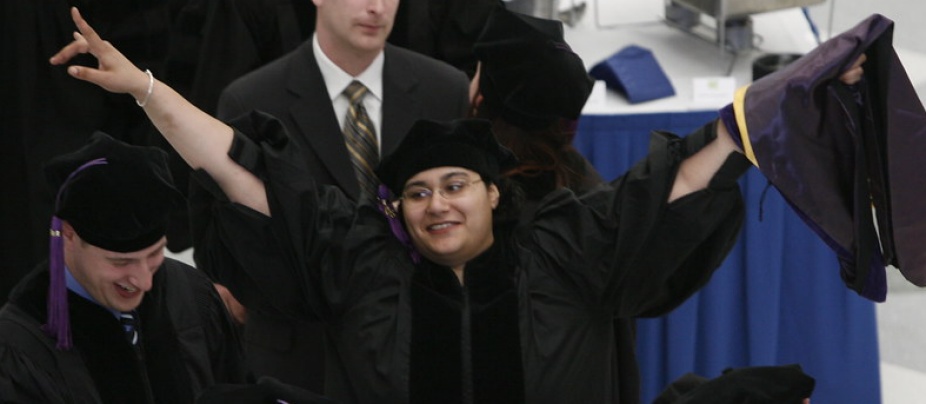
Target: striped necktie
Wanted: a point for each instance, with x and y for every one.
(129, 326)
(360, 137)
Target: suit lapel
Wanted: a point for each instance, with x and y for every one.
(400, 106)
(316, 122)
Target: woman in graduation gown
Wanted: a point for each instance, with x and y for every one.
(532, 87)
(425, 300)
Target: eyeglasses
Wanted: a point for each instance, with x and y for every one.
(452, 189)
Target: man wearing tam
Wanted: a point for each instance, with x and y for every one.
(425, 296)
(108, 318)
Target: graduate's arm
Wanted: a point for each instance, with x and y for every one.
(201, 140)
(696, 171)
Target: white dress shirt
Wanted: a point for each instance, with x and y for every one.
(337, 80)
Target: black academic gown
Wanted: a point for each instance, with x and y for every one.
(535, 187)
(534, 321)
(187, 344)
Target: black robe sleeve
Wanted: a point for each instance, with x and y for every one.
(32, 370)
(22, 380)
(625, 248)
(283, 267)
(220, 336)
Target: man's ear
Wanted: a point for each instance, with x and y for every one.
(67, 231)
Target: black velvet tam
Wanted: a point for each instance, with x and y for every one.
(529, 75)
(121, 205)
(467, 143)
(786, 384)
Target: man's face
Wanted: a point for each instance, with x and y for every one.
(448, 213)
(115, 280)
(356, 26)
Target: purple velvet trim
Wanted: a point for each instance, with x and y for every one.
(384, 199)
(59, 324)
(728, 118)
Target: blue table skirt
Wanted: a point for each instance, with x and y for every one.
(777, 299)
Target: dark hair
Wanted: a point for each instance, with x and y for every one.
(546, 155)
(511, 201)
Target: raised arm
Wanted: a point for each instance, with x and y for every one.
(696, 172)
(200, 139)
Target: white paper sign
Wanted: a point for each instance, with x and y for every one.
(714, 91)
(614, 13)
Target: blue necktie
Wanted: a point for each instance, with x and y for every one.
(129, 326)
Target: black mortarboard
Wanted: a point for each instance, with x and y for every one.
(757, 385)
(122, 205)
(840, 153)
(116, 197)
(529, 75)
(467, 143)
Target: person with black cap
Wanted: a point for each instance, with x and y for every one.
(425, 297)
(523, 60)
(108, 318)
(532, 86)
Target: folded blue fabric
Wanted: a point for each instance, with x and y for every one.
(634, 72)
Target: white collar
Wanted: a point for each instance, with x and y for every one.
(336, 79)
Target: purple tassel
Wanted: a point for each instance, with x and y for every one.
(59, 324)
(384, 198)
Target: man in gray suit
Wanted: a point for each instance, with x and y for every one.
(303, 89)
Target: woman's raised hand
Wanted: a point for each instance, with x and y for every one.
(114, 72)
(854, 73)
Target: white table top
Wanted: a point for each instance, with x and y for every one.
(684, 56)
(681, 55)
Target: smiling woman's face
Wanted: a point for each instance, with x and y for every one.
(448, 213)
